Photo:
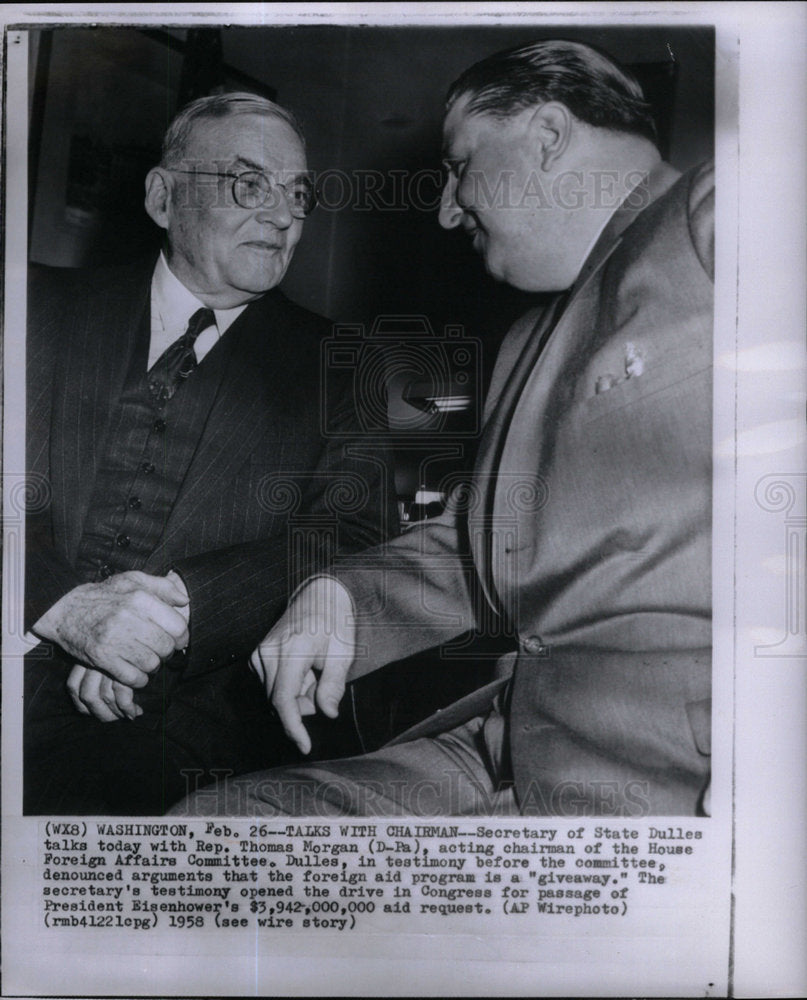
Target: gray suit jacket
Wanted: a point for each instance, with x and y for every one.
(586, 527)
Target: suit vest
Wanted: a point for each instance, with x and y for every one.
(145, 457)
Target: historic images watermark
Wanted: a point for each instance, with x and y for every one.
(422, 190)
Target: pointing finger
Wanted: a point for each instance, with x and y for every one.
(332, 682)
(295, 665)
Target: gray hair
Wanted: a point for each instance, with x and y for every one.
(219, 106)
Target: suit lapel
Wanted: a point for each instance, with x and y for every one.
(100, 338)
(548, 339)
(660, 179)
(240, 419)
(487, 470)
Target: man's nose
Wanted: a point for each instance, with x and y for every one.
(450, 211)
(276, 210)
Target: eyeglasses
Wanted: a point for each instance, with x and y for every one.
(253, 189)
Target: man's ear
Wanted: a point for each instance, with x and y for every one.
(158, 196)
(552, 126)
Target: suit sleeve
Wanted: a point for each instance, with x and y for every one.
(237, 593)
(701, 216)
(48, 574)
(48, 577)
(421, 590)
(412, 593)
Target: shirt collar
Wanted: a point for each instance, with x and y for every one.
(176, 304)
(648, 188)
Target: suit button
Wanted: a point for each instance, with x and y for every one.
(232, 658)
(122, 541)
(534, 645)
(159, 425)
(212, 661)
(147, 467)
(135, 503)
(105, 572)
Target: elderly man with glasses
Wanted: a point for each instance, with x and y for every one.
(173, 411)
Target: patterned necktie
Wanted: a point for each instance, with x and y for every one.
(178, 360)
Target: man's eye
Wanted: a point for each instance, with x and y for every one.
(300, 194)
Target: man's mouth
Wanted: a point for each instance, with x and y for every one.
(262, 245)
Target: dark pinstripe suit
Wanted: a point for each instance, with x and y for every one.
(262, 474)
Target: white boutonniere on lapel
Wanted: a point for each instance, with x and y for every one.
(634, 366)
(634, 360)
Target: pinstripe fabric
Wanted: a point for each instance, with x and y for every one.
(147, 452)
(229, 541)
(258, 506)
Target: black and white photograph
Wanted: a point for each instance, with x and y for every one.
(403, 491)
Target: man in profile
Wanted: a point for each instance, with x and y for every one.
(174, 418)
(586, 529)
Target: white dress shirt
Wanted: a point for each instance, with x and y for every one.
(172, 305)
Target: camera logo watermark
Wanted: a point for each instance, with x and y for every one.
(402, 376)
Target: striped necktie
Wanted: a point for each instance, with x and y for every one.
(178, 360)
